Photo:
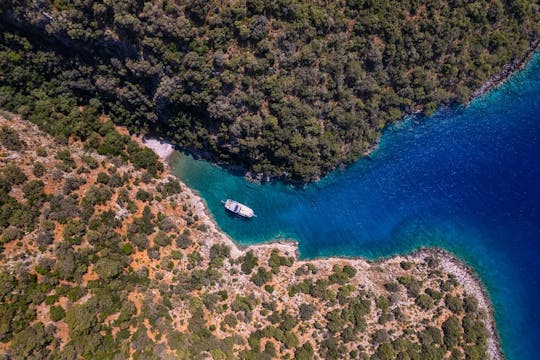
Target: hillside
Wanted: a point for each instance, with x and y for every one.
(107, 256)
(285, 89)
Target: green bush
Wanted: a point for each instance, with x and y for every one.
(57, 313)
(10, 139)
(38, 170)
(406, 265)
(452, 332)
(425, 302)
(249, 261)
(453, 303)
(261, 277)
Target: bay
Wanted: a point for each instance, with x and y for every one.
(466, 180)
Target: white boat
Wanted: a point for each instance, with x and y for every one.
(239, 209)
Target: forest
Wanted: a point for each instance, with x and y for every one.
(284, 89)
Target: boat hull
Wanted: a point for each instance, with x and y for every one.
(239, 209)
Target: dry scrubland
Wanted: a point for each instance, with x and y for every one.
(103, 260)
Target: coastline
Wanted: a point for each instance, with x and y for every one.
(492, 83)
(429, 268)
(452, 265)
(465, 274)
(163, 149)
(506, 72)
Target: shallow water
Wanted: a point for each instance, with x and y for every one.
(466, 179)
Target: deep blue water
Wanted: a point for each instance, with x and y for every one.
(466, 179)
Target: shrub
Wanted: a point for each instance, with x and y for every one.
(11, 233)
(34, 192)
(424, 301)
(249, 261)
(143, 195)
(382, 302)
(332, 349)
(31, 342)
(474, 331)
(73, 183)
(342, 274)
(218, 253)
(453, 303)
(392, 287)
(304, 352)
(413, 285)
(102, 178)
(112, 145)
(470, 304)
(172, 187)
(14, 175)
(108, 268)
(90, 161)
(41, 152)
(57, 313)
(184, 241)
(44, 238)
(38, 170)
(161, 239)
(261, 276)
(62, 208)
(10, 139)
(434, 294)
(65, 157)
(276, 260)
(306, 311)
(406, 265)
(452, 331)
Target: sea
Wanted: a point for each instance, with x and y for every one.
(466, 179)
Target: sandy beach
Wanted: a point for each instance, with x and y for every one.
(162, 149)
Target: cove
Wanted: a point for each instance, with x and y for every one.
(466, 180)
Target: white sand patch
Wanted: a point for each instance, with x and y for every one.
(161, 148)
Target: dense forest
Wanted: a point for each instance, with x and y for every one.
(286, 89)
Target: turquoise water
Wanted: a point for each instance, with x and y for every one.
(466, 179)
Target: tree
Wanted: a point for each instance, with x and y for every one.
(10, 139)
(452, 331)
(249, 261)
(108, 268)
(57, 313)
(31, 343)
(306, 311)
(261, 277)
(304, 352)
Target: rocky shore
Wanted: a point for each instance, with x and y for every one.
(474, 286)
(190, 289)
(507, 71)
(464, 274)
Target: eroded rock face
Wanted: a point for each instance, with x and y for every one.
(162, 281)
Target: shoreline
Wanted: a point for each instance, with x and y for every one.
(506, 72)
(163, 149)
(492, 83)
(450, 263)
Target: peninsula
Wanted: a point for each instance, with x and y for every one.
(106, 255)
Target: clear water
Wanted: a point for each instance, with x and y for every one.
(466, 179)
